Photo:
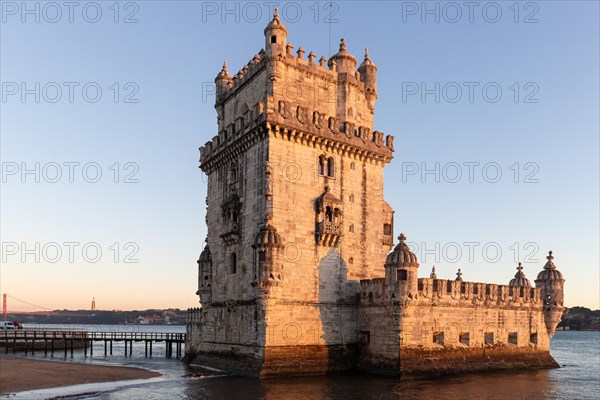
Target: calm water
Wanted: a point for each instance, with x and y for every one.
(577, 352)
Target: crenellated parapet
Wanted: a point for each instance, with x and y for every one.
(325, 99)
(461, 293)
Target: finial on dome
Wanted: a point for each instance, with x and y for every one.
(342, 45)
(367, 57)
(520, 268)
(224, 66)
(433, 275)
(550, 263)
(402, 237)
(276, 13)
(459, 275)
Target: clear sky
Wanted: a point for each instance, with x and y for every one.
(470, 91)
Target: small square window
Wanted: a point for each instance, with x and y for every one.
(273, 39)
(438, 338)
(533, 338)
(464, 338)
(402, 275)
(387, 229)
(489, 338)
(513, 338)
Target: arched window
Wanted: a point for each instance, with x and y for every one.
(321, 165)
(352, 165)
(351, 198)
(351, 229)
(351, 260)
(233, 263)
(273, 39)
(330, 167)
(328, 215)
(337, 215)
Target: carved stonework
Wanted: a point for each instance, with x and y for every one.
(334, 125)
(349, 129)
(329, 215)
(284, 110)
(319, 119)
(302, 114)
(389, 142)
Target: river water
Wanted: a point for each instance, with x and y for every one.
(578, 353)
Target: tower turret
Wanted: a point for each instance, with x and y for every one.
(346, 63)
(275, 36)
(268, 248)
(205, 276)
(519, 280)
(222, 82)
(551, 281)
(368, 75)
(401, 271)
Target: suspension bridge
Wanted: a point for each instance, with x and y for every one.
(22, 307)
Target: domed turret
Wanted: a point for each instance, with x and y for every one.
(275, 36)
(205, 276)
(267, 237)
(222, 81)
(401, 270)
(268, 247)
(368, 75)
(551, 282)
(346, 62)
(401, 256)
(519, 280)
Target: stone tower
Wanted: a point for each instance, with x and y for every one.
(551, 281)
(295, 212)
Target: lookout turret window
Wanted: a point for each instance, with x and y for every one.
(273, 39)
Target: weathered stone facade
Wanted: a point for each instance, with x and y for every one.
(290, 280)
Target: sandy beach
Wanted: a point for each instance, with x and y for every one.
(19, 374)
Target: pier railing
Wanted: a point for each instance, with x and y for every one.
(51, 340)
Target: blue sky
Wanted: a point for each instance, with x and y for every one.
(542, 56)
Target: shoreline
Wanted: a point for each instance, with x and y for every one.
(18, 374)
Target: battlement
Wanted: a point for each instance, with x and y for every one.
(330, 99)
(454, 293)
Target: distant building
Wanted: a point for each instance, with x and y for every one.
(297, 277)
(93, 304)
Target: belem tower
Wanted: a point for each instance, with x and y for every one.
(299, 274)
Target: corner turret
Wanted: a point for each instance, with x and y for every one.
(551, 281)
(368, 75)
(345, 61)
(222, 82)
(401, 271)
(519, 280)
(275, 37)
(205, 276)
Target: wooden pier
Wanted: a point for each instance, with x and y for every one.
(55, 340)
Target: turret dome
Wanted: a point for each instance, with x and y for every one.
(549, 273)
(402, 256)
(276, 23)
(367, 61)
(205, 256)
(519, 279)
(267, 237)
(345, 61)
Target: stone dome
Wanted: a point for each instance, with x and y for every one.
(367, 61)
(267, 237)
(549, 273)
(342, 54)
(402, 256)
(276, 23)
(519, 279)
(205, 256)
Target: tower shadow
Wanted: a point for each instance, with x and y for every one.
(338, 308)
